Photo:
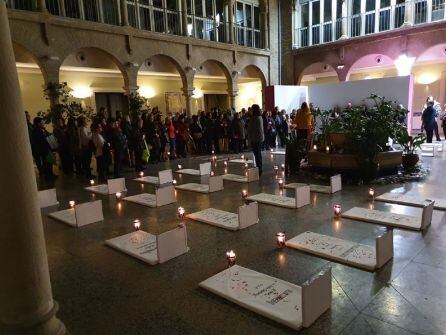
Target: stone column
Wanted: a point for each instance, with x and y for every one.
(184, 17)
(232, 96)
(344, 26)
(231, 34)
(131, 78)
(264, 24)
(50, 69)
(188, 93)
(26, 302)
(124, 13)
(42, 6)
(408, 13)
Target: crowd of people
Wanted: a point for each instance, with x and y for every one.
(432, 111)
(118, 142)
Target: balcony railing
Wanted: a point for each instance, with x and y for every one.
(371, 22)
(144, 16)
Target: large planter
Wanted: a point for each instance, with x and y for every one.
(340, 140)
(410, 160)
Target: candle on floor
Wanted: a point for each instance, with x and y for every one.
(225, 163)
(327, 149)
(141, 174)
(231, 257)
(213, 152)
(181, 212)
(118, 196)
(91, 182)
(276, 169)
(212, 173)
(272, 150)
(281, 238)
(280, 182)
(283, 167)
(242, 156)
(246, 165)
(180, 166)
(174, 181)
(136, 224)
(72, 203)
(315, 147)
(337, 210)
(371, 193)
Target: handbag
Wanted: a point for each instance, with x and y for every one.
(52, 141)
(145, 153)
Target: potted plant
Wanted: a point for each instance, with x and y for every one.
(295, 151)
(409, 145)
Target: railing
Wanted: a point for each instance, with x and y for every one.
(144, 16)
(371, 22)
(248, 37)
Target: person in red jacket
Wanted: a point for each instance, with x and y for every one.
(182, 136)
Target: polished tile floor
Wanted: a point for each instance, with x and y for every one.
(102, 291)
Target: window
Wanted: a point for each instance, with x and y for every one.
(327, 11)
(247, 18)
(316, 9)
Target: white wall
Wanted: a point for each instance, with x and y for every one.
(290, 97)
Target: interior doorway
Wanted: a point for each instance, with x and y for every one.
(216, 100)
(112, 101)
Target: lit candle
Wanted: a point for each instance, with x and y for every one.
(281, 238)
(337, 210)
(174, 181)
(141, 174)
(242, 156)
(280, 181)
(213, 152)
(371, 193)
(212, 173)
(283, 167)
(91, 182)
(118, 196)
(246, 165)
(276, 169)
(327, 149)
(225, 163)
(71, 203)
(272, 150)
(231, 257)
(181, 212)
(180, 166)
(215, 157)
(244, 194)
(136, 224)
(315, 147)
(226, 171)
(168, 153)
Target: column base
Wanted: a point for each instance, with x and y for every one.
(47, 324)
(343, 37)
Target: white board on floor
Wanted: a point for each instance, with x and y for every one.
(99, 189)
(301, 198)
(271, 297)
(335, 186)
(145, 199)
(216, 217)
(408, 200)
(81, 215)
(48, 198)
(148, 180)
(344, 251)
(191, 172)
(194, 187)
(241, 161)
(138, 244)
(391, 219)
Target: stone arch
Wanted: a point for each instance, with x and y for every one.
(172, 61)
(316, 68)
(112, 58)
(229, 76)
(257, 70)
(369, 61)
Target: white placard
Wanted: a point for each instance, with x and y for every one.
(335, 186)
(172, 243)
(403, 199)
(66, 216)
(236, 178)
(165, 177)
(272, 199)
(271, 297)
(215, 184)
(216, 217)
(116, 185)
(88, 212)
(384, 218)
(48, 198)
(194, 187)
(205, 169)
(144, 199)
(148, 180)
(99, 189)
(241, 161)
(248, 215)
(348, 252)
(191, 172)
(138, 244)
(165, 195)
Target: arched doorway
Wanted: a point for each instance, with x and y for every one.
(31, 81)
(161, 81)
(372, 66)
(251, 84)
(212, 82)
(96, 80)
(318, 73)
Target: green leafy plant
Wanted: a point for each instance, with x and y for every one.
(296, 150)
(409, 143)
(137, 104)
(63, 105)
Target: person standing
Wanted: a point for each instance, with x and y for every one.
(118, 143)
(443, 120)
(85, 145)
(99, 143)
(171, 134)
(238, 133)
(428, 120)
(303, 122)
(256, 135)
(41, 150)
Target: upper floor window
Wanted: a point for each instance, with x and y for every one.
(247, 21)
